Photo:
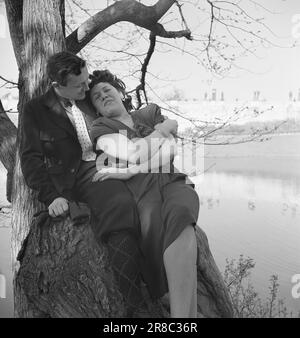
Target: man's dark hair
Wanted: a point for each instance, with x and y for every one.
(60, 65)
(106, 76)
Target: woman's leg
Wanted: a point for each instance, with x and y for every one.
(180, 264)
(194, 303)
(180, 214)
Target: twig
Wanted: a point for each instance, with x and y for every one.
(141, 86)
(8, 81)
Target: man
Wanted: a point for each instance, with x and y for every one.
(58, 161)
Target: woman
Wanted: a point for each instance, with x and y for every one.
(167, 206)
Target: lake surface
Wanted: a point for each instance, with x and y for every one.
(256, 217)
(250, 205)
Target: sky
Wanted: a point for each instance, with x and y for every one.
(274, 73)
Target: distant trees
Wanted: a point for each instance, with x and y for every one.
(175, 94)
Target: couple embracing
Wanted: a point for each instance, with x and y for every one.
(138, 207)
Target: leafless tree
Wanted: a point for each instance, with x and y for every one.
(63, 272)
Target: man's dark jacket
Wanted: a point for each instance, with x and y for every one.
(50, 151)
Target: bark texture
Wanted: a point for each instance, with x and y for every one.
(65, 273)
(37, 32)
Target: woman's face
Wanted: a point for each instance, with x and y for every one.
(107, 100)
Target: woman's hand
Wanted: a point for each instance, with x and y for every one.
(167, 127)
(112, 173)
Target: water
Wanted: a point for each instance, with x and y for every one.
(256, 217)
(250, 205)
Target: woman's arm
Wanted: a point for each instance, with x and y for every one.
(161, 158)
(119, 146)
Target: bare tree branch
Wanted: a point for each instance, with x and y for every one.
(126, 10)
(181, 14)
(8, 81)
(141, 87)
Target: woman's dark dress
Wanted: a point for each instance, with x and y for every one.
(166, 203)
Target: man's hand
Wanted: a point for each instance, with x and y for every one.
(59, 207)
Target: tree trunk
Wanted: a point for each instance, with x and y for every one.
(36, 31)
(8, 135)
(63, 271)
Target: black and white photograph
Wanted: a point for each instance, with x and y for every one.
(150, 161)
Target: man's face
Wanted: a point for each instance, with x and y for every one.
(76, 86)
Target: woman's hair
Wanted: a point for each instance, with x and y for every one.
(99, 76)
